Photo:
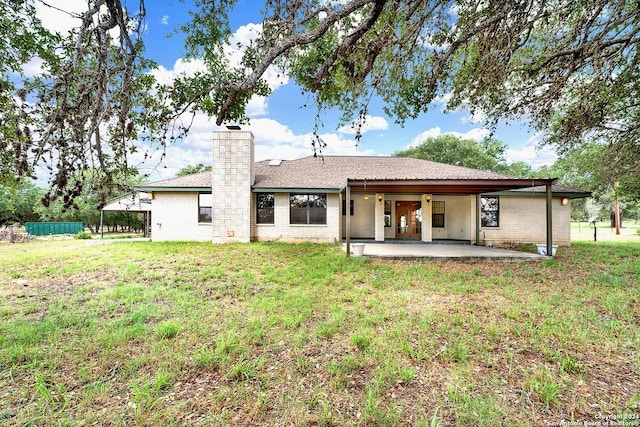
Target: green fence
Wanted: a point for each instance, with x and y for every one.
(47, 228)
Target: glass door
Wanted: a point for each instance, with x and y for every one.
(408, 220)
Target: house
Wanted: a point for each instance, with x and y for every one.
(335, 198)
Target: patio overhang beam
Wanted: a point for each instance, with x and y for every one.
(543, 193)
(443, 186)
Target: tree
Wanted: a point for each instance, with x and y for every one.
(590, 167)
(520, 169)
(487, 154)
(17, 202)
(87, 110)
(87, 204)
(569, 66)
(189, 170)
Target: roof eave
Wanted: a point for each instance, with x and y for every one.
(172, 189)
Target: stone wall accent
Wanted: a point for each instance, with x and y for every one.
(232, 178)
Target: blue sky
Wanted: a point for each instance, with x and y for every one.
(281, 125)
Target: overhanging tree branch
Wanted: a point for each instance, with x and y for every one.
(285, 46)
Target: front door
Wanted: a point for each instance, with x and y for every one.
(408, 220)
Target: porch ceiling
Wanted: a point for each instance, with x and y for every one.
(443, 186)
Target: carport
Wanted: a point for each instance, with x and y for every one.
(134, 202)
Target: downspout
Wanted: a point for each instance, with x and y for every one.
(347, 224)
(478, 218)
(549, 221)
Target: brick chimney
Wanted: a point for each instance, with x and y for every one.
(233, 174)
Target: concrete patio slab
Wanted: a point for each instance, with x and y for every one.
(442, 252)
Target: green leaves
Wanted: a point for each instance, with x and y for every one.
(485, 155)
(569, 67)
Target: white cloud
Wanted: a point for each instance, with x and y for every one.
(372, 123)
(33, 67)
(273, 140)
(257, 106)
(61, 19)
(532, 154)
(176, 159)
(471, 115)
(475, 116)
(476, 134)
(180, 67)
(243, 37)
(56, 20)
(165, 20)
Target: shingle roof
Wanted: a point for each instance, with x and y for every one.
(334, 171)
(196, 180)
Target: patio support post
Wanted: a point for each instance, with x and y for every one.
(379, 218)
(149, 218)
(101, 222)
(549, 221)
(347, 220)
(478, 218)
(427, 222)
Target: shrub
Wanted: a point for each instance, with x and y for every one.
(82, 235)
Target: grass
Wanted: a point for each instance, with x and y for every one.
(583, 230)
(140, 333)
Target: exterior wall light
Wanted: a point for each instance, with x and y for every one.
(428, 198)
(565, 201)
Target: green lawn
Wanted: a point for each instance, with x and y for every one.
(629, 232)
(139, 333)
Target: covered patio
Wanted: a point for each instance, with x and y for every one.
(425, 191)
(437, 252)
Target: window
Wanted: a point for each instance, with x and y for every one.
(344, 207)
(490, 211)
(205, 201)
(308, 209)
(437, 214)
(387, 213)
(264, 205)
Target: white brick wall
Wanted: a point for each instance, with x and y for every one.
(363, 222)
(523, 220)
(281, 230)
(174, 216)
(458, 219)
